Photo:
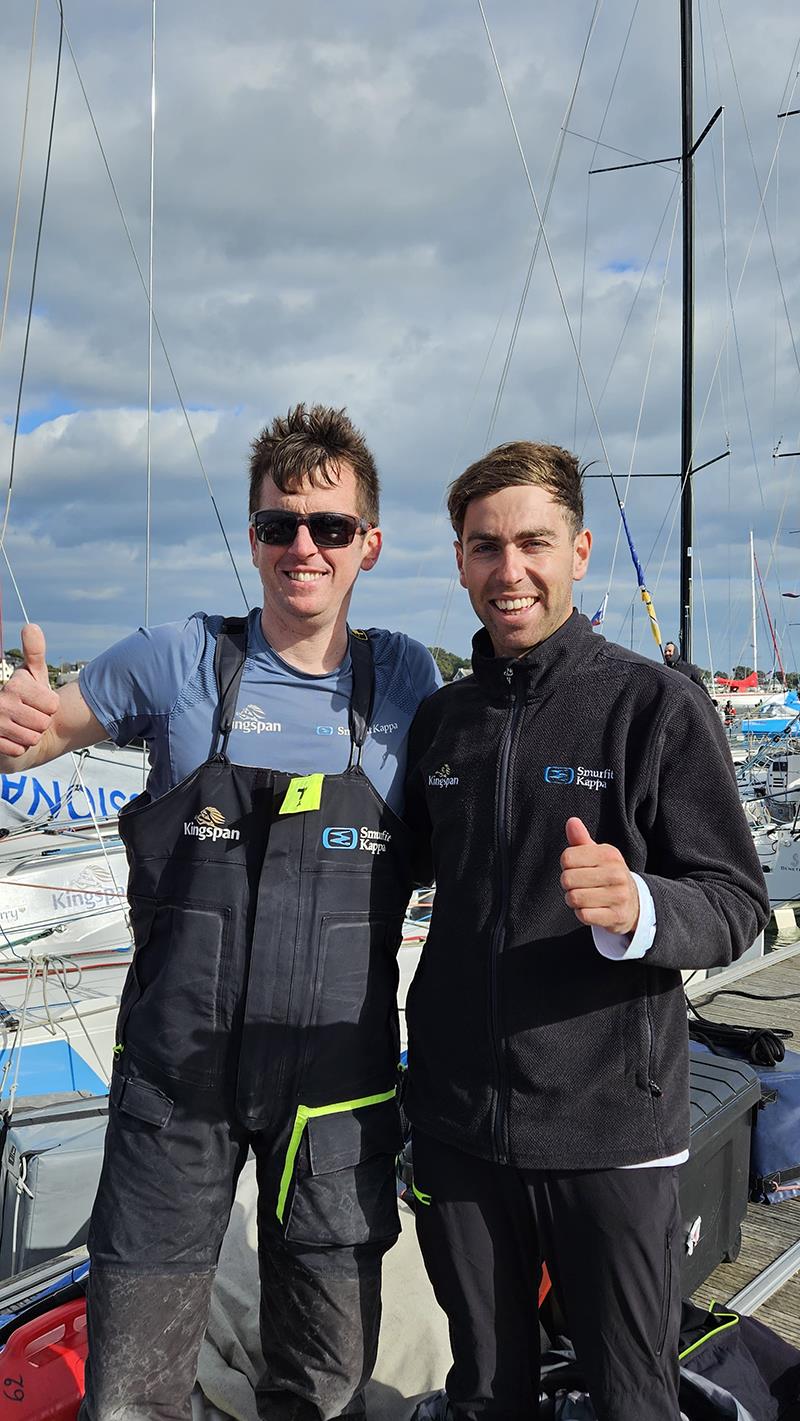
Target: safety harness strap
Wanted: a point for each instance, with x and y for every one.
(230, 655)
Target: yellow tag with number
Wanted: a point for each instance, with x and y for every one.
(304, 793)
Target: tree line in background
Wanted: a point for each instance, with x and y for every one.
(448, 663)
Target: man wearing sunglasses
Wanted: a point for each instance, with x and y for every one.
(269, 874)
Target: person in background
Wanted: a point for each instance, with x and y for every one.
(578, 807)
(269, 876)
(674, 659)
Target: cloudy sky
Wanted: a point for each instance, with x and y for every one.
(342, 215)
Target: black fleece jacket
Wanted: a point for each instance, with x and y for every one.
(525, 1044)
(688, 668)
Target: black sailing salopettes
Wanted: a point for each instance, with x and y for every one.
(259, 1011)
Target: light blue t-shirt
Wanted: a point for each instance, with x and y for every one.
(158, 684)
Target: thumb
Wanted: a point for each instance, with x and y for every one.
(33, 650)
(577, 833)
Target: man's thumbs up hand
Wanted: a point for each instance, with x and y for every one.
(598, 885)
(33, 652)
(27, 704)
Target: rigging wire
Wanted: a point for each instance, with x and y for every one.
(17, 200)
(553, 167)
(637, 294)
(705, 616)
(762, 196)
(645, 386)
(646, 598)
(156, 326)
(666, 163)
(721, 205)
(545, 239)
(556, 161)
(149, 495)
(37, 248)
(609, 101)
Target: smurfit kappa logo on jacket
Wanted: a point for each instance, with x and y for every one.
(579, 775)
(209, 824)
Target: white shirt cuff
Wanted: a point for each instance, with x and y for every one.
(624, 946)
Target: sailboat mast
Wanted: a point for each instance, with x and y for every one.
(753, 591)
(687, 375)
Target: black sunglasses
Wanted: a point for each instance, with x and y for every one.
(278, 527)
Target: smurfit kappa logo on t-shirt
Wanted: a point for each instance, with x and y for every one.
(252, 721)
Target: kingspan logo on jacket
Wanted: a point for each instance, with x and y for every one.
(209, 824)
(443, 778)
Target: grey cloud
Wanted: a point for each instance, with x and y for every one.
(342, 215)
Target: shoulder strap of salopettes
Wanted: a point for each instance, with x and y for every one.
(363, 694)
(229, 657)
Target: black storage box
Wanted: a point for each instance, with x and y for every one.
(714, 1181)
(50, 1159)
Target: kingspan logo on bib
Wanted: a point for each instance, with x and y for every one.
(579, 775)
(210, 824)
(252, 721)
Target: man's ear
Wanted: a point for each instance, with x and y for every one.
(460, 562)
(253, 541)
(581, 551)
(373, 542)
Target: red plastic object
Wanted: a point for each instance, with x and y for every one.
(41, 1366)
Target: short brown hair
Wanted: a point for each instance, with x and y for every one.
(522, 462)
(306, 446)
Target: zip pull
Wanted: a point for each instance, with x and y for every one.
(509, 675)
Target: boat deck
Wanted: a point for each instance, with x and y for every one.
(769, 1229)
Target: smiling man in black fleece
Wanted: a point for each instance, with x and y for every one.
(578, 807)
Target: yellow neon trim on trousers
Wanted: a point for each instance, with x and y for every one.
(419, 1194)
(732, 1319)
(310, 1112)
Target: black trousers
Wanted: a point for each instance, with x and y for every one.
(165, 1195)
(611, 1241)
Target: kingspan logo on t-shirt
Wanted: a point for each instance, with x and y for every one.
(252, 720)
(210, 824)
(579, 775)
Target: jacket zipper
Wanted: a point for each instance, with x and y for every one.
(499, 929)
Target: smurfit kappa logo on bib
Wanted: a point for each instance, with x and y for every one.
(579, 775)
(347, 836)
(210, 824)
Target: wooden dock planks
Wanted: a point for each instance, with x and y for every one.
(769, 1229)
